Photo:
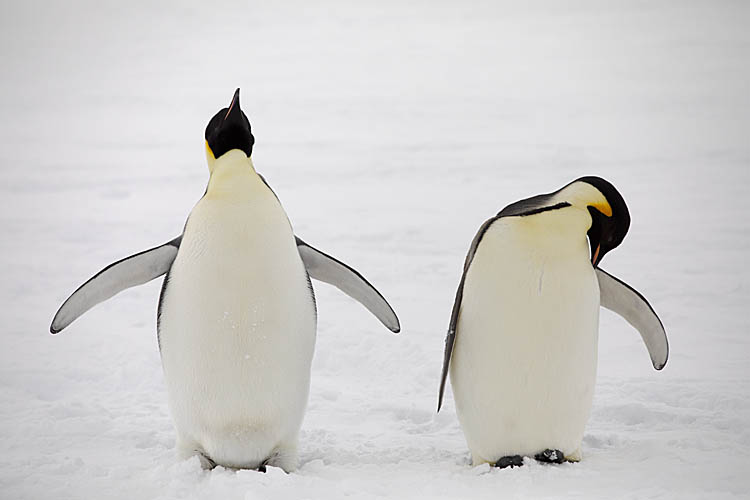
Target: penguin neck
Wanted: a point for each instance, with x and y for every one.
(231, 174)
(557, 232)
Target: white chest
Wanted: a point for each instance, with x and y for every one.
(237, 326)
(524, 361)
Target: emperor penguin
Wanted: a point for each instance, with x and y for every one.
(236, 321)
(522, 342)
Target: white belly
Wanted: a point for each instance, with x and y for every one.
(237, 331)
(524, 363)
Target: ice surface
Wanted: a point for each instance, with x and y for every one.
(390, 131)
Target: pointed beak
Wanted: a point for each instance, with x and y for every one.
(234, 106)
(595, 256)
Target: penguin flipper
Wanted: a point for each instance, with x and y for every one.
(621, 298)
(131, 271)
(327, 269)
(450, 337)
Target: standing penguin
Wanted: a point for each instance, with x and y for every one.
(522, 341)
(237, 317)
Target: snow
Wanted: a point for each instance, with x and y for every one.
(390, 131)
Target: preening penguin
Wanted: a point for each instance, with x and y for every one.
(237, 316)
(522, 341)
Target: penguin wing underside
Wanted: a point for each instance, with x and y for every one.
(150, 264)
(327, 269)
(116, 277)
(621, 298)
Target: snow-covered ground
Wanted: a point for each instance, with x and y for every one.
(390, 130)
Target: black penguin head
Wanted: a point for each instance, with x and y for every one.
(230, 129)
(607, 229)
(610, 218)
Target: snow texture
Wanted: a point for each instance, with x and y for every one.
(390, 130)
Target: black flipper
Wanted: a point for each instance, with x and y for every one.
(327, 269)
(451, 336)
(621, 298)
(116, 277)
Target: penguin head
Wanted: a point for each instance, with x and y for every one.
(229, 129)
(610, 218)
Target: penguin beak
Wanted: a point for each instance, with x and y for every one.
(596, 256)
(600, 234)
(234, 106)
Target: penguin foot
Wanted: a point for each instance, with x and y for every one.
(550, 457)
(206, 462)
(509, 461)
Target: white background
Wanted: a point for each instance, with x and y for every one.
(390, 130)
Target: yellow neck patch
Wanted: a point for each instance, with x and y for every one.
(210, 158)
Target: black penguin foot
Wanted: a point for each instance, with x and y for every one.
(206, 462)
(509, 461)
(550, 457)
(263, 465)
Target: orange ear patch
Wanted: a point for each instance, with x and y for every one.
(603, 208)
